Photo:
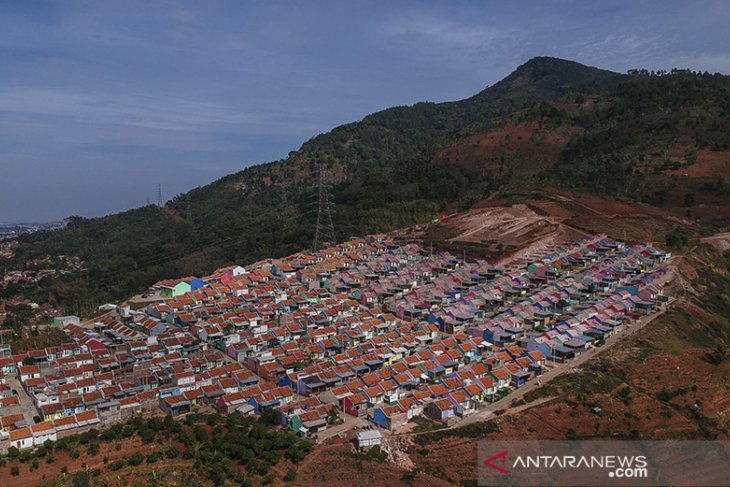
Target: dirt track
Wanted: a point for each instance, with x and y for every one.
(555, 371)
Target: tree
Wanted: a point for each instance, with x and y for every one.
(271, 416)
(291, 474)
(94, 448)
(81, 478)
(136, 459)
(676, 238)
(19, 316)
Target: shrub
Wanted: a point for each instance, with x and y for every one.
(94, 448)
(677, 238)
(291, 474)
(172, 452)
(717, 356)
(411, 475)
(170, 424)
(153, 457)
(14, 471)
(13, 452)
(201, 434)
(135, 459)
(147, 435)
(116, 465)
(271, 416)
(625, 395)
(295, 454)
(80, 479)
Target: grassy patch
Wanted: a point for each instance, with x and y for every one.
(598, 377)
(424, 424)
(547, 390)
(474, 430)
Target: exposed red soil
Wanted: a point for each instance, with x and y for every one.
(500, 227)
(498, 150)
(488, 144)
(334, 465)
(673, 391)
(127, 447)
(609, 206)
(710, 164)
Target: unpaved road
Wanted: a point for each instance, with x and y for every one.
(488, 411)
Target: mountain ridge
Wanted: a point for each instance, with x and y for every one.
(583, 128)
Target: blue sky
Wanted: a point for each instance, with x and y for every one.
(102, 100)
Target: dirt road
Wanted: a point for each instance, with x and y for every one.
(350, 423)
(557, 369)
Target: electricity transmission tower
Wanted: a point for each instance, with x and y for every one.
(159, 195)
(324, 233)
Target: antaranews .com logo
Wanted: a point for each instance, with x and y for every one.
(610, 463)
(614, 465)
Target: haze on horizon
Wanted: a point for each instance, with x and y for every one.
(102, 101)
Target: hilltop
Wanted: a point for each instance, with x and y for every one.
(553, 125)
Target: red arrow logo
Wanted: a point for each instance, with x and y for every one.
(499, 456)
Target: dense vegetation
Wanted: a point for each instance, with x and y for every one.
(211, 449)
(628, 137)
(386, 173)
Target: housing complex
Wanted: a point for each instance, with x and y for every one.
(369, 328)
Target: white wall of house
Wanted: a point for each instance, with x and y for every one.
(24, 443)
(42, 438)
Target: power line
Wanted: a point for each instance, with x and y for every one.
(324, 232)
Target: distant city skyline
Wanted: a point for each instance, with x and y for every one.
(102, 101)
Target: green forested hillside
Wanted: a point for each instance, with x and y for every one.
(624, 136)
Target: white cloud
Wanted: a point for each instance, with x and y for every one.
(449, 33)
(153, 112)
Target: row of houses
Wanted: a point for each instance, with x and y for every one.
(318, 323)
(369, 328)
